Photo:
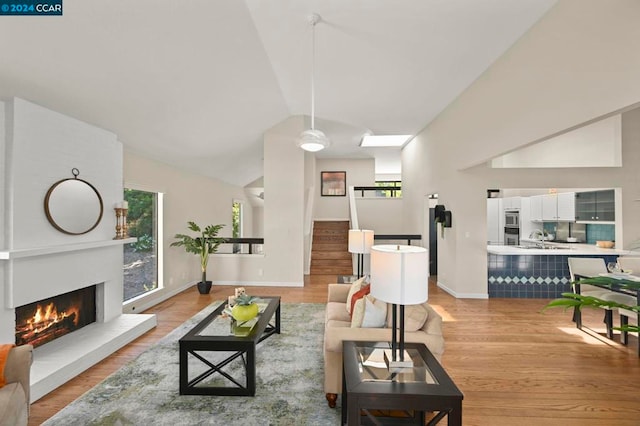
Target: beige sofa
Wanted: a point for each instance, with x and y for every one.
(338, 329)
(14, 396)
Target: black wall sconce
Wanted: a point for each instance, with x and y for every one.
(443, 217)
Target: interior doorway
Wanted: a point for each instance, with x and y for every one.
(430, 229)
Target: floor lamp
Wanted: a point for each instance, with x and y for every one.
(399, 275)
(360, 242)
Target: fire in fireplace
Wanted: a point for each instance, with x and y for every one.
(41, 322)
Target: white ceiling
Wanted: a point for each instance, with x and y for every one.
(196, 83)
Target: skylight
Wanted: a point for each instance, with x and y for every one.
(384, 141)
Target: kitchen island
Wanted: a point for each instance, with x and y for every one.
(532, 272)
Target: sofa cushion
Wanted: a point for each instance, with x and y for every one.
(358, 295)
(13, 405)
(355, 287)
(337, 311)
(415, 316)
(369, 312)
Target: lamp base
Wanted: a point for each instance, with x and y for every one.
(397, 365)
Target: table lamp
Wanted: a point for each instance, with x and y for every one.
(399, 275)
(360, 242)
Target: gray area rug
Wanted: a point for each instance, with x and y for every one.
(289, 388)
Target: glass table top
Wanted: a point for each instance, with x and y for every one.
(223, 324)
(372, 366)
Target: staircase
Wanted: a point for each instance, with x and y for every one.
(330, 248)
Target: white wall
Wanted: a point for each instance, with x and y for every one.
(595, 145)
(46, 146)
(382, 215)
(187, 197)
(574, 66)
(3, 176)
(359, 173)
(579, 63)
(41, 147)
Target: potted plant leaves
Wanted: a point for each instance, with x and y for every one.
(203, 245)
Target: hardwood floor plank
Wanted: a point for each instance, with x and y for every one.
(514, 364)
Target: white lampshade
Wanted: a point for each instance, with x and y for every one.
(360, 240)
(313, 140)
(399, 274)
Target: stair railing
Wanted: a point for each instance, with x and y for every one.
(308, 229)
(353, 210)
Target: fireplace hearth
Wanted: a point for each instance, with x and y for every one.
(43, 321)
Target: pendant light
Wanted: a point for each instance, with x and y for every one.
(313, 140)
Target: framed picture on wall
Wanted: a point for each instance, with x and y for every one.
(333, 184)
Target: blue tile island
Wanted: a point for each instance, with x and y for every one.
(536, 273)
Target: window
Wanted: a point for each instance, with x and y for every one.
(141, 259)
(236, 223)
(394, 191)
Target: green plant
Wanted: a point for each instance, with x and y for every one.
(573, 300)
(246, 300)
(204, 245)
(144, 243)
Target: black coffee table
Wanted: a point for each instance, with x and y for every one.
(367, 385)
(214, 334)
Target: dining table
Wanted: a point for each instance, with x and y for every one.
(617, 282)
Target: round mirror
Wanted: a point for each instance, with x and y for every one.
(73, 206)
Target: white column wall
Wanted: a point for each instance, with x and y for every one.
(284, 202)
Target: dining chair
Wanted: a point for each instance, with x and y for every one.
(588, 267)
(627, 317)
(629, 264)
(591, 267)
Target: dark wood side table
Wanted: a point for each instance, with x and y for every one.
(368, 385)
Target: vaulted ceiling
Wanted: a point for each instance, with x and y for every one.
(196, 83)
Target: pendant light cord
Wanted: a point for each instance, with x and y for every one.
(313, 69)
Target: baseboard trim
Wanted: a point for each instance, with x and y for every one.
(262, 283)
(142, 304)
(463, 295)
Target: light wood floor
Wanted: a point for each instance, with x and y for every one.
(514, 365)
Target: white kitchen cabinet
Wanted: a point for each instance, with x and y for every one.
(553, 207)
(535, 208)
(567, 206)
(511, 203)
(550, 207)
(495, 221)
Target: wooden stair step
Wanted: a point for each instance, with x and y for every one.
(342, 255)
(332, 263)
(331, 247)
(330, 271)
(330, 238)
(331, 224)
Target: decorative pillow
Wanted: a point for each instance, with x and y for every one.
(355, 286)
(369, 312)
(364, 290)
(414, 317)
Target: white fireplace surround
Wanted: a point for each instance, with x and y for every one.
(37, 261)
(41, 273)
